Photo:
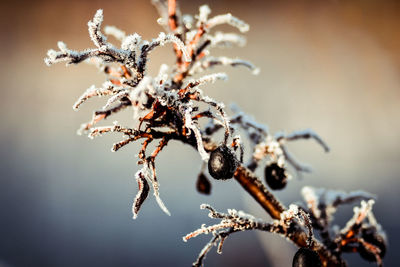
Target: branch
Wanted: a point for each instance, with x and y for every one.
(275, 208)
(234, 221)
(259, 192)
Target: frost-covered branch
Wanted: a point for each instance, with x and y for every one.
(228, 19)
(171, 106)
(231, 222)
(323, 203)
(210, 62)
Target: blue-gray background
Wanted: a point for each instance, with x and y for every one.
(65, 200)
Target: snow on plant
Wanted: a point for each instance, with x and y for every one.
(169, 107)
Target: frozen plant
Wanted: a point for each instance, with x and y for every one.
(169, 107)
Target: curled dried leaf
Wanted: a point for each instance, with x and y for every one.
(141, 195)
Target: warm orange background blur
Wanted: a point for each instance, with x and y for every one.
(333, 66)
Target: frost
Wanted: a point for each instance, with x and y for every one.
(192, 126)
(228, 19)
(211, 78)
(94, 29)
(329, 200)
(115, 98)
(187, 21)
(150, 175)
(360, 213)
(131, 42)
(170, 106)
(141, 194)
(114, 31)
(170, 38)
(233, 221)
(204, 11)
(227, 39)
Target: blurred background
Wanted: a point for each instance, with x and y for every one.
(65, 200)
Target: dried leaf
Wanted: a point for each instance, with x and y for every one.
(141, 195)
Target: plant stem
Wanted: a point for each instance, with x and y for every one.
(259, 192)
(252, 184)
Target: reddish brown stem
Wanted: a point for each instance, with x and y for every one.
(173, 25)
(172, 20)
(161, 145)
(259, 192)
(250, 182)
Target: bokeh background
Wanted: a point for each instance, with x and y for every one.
(333, 66)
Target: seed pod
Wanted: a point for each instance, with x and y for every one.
(306, 257)
(275, 176)
(203, 185)
(372, 237)
(222, 163)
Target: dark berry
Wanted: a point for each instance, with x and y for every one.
(222, 163)
(306, 257)
(372, 237)
(275, 176)
(203, 185)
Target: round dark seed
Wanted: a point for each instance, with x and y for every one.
(222, 163)
(275, 176)
(306, 257)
